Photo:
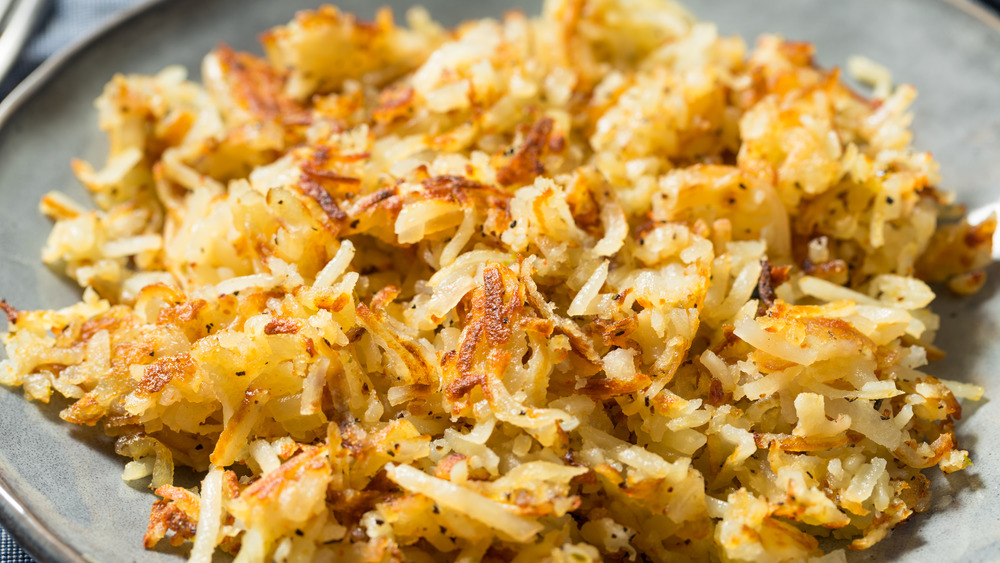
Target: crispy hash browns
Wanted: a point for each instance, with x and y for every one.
(597, 285)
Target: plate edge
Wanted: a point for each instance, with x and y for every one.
(978, 11)
(24, 526)
(45, 71)
(31, 534)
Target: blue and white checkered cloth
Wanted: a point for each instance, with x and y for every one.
(10, 552)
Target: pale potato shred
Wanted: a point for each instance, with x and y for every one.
(596, 285)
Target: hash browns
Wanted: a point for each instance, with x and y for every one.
(595, 285)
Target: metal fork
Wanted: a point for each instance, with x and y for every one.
(18, 19)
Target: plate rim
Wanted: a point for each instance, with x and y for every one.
(30, 532)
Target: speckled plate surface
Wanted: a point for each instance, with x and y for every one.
(61, 493)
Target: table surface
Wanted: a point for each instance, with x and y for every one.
(66, 21)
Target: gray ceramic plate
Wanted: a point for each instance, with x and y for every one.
(62, 495)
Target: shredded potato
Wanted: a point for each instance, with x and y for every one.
(595, 285)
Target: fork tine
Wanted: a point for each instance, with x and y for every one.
(24, 15)
(4, 8)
